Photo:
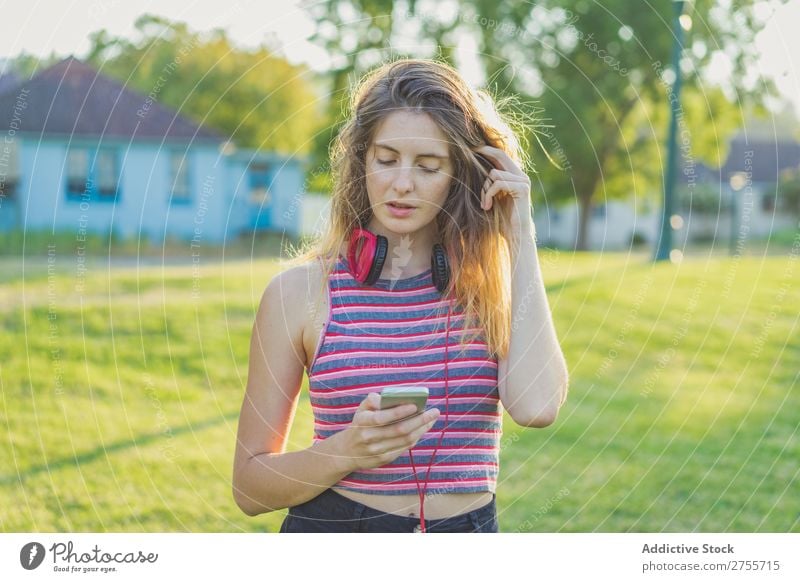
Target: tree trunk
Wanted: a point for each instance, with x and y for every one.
(584, 209)
(586, 189)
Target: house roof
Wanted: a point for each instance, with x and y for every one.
(765, 160)
(74, 99)
(8, 81)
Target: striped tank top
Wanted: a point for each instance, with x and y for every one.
(393, 334)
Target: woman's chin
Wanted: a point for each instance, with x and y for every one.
(397, 224)
(400, 225)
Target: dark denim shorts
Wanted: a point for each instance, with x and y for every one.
(331, 512)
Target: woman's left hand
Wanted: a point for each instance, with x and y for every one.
(510, 188)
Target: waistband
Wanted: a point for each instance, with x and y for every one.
(333, 512)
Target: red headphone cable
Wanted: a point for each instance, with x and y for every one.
(446, 417)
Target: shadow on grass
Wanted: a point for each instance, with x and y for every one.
(99, 452)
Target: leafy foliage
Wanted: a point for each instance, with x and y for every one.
(256, 97)
(599, 73)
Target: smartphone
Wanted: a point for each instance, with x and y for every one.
(397, 395)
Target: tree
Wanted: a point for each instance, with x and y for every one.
(599, 72)
(364, 25)
(607, 87)
(255, 97)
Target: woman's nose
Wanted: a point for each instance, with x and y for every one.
(402, 180)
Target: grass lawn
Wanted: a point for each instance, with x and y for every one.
(121, 390)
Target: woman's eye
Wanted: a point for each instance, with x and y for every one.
(428, 170)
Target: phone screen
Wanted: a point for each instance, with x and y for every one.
(391, 397)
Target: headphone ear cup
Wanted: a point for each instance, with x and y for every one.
(440, 268)
(366, 254)
(381, 250)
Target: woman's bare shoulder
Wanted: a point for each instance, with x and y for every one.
(297, 281)
(297, 290)
(298, 293)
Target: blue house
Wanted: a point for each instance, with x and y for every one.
(80, 152)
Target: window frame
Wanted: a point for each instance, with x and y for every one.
(260, 196)
(9, 180)
(91, 189)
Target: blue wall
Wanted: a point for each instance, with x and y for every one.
(219, 207)
(282, 210)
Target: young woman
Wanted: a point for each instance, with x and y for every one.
(427, 276)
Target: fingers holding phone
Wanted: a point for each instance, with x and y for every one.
(378, 436)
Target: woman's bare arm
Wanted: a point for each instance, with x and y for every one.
(533, 378)
(265, 478)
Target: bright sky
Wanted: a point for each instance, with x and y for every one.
(43, 26)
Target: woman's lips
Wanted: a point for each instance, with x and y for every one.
(400, 211)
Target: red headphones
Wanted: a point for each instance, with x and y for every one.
(366, 265)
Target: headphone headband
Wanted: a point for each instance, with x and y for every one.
(366, 263)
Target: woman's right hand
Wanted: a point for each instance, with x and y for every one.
(370, 441)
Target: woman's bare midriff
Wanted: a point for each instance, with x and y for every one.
(436, 506)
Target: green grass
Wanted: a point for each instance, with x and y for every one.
(120, 398)
(95, 246)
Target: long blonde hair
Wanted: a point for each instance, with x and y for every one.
(478, 254)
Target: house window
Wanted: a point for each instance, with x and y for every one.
(179, 177)
(77, 172)
(106, 174)
(9, 170)
(260, 178)
(92, 174)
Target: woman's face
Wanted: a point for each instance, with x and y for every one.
(409, 164)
